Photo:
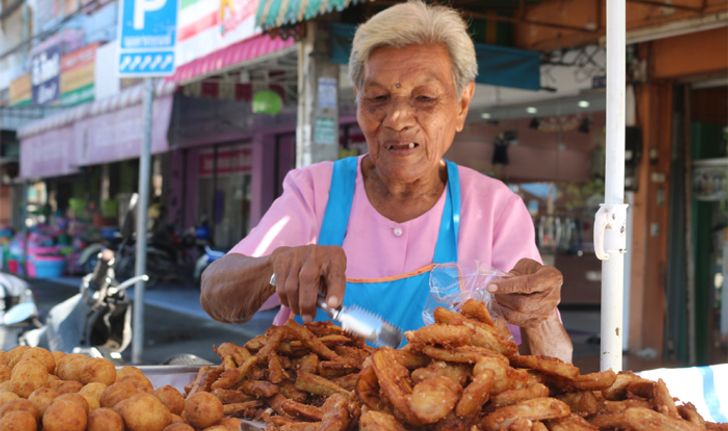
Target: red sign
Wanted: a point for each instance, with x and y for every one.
(228, 162)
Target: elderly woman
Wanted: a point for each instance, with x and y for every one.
(367, 230)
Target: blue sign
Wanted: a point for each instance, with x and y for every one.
(147, 37)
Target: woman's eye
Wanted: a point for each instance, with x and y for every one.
(379, 98)
(425, 99)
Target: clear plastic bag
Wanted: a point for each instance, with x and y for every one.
(452, 284)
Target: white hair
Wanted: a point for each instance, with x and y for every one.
(415, 23)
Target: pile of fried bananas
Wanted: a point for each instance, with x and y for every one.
(294, 377)
(54, 391)
(461, 373)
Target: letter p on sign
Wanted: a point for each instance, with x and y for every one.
(141, 7)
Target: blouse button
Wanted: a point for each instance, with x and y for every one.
(397, 231)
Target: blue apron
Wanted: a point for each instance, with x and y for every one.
(398, 299)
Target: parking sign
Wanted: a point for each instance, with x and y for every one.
(147, 36)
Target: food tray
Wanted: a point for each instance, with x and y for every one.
(180, 375)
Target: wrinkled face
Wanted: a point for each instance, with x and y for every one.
(408, 109)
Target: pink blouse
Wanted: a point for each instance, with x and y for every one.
(496, 229)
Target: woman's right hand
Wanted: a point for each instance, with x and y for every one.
(302, 272)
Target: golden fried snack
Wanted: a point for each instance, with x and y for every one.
(137, 378)
(18, 420)
(28, 375)
(663, 401)
(347, 382)
(171, 398)
(309, 340)
(259, 388)
(229, 396)
(434, 398)
(64, 415)
(547, 365)
(57, 357)
(571, 423)
(581, 403)
(74, 398)
(410, 359)
(607, 406)
(118, 392)
(104, 419)
(539, 426)
(178, 427)
(318, 385)
(710, 426)
(533, 409)
(461, 354)
(65, 386)
(617, 391)
(69, 366)
(475, 394)
(92, 393)
(216, 428)
(290, 408)
(288, 390)
(513, 396)
(394, 383)
(367, 389)
(440, 334)
(641, 419)
(144, 412)
(13, 355)
(372, 420)
(243, 409)
(336, 414)
(98, 370)
(204, 379)
(690, 413)
(19, 405)
(6, 386)
(238, 354)
(332, 340)
(338, 368)
(176, 419)
(457, 372)
(41, 355)
(498, 366)
(232, 424)
(202, 410)
(476, 310)
(276, 371)
(642, 388)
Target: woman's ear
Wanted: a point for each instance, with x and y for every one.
(465, 98)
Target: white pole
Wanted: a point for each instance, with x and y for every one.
(137, 339)
(611, 218)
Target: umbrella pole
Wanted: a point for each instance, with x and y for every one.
(611, 219)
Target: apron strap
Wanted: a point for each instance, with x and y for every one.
(446, 249)
(338, 206)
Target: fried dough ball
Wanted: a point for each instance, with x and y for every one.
(8, 396)
(92, 392)
(18, 420)
(144, 412)
(5, 372)
(117, 392)
(171, 398)
(14, 355)
(232, 424)
(75, 398)
(178, 427)
(41, 355)
(177, 419)
(6, 386)
(19, 405)
(216, 428)
(104, 419)
(42, 398)
(57, 357)
(202, 410)
(65, 415)
(129, 371)
(3, 357)
(97, 370)
(27, 376)
(69, 366)
(135, 375)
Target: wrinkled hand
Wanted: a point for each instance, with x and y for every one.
(302, 272)
(529, 294)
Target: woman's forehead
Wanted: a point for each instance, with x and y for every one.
(419, 64)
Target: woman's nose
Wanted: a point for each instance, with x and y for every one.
(400, 115)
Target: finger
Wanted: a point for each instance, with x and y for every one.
(525, 266)
(309, 284)
(335, 277)
(280, 269)
(290, 287)
(546, 278)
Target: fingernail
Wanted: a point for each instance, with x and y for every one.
(333, 301)
(306, 318)
(492, 288)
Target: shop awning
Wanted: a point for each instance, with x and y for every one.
(277, 13)
(234, 55)
(107, 130)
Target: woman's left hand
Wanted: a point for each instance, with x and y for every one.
(529, 294)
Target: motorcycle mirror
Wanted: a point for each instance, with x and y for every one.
(20, 313)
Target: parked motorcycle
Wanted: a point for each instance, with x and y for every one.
(16, 295)
(96, 321)
(205, 260)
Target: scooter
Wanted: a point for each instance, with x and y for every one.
(205, 260)
(16, 295)
(96, 321)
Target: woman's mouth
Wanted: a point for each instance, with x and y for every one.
(402, 148)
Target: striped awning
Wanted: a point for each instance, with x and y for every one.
(277, 13)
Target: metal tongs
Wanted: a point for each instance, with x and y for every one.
(364, 323)
(360, 322)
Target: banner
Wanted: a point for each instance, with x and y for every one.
(20, 91)
(46, 67)
(77, 75)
